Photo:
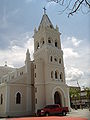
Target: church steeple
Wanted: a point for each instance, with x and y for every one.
(45, 21)
(46, 35)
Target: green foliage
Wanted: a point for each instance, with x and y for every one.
(74, 93)
(87, 89)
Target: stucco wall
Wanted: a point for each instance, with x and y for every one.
(17, 109)
(3, 105)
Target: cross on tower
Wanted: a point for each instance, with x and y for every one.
(5, 63)
(44, 10)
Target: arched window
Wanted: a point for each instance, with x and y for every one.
(55, 43)
(60, 60)
(51, 58)
(35, 66)
(49, 40)
(18, 98)
(1, 101)
(37, 45)
(35, 75)
(51, 26)
(35, 100)
(55, 59)
(43, 42)
(61, 75)
(52, 74)
(56, 75)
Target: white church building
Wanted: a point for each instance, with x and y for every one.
(39, 82)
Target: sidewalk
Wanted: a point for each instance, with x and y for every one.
(84, 113)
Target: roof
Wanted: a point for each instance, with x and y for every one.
(45, 22)
(5, 70)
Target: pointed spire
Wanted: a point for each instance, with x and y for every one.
(45, 22)
(27, 55)
(5, 63)
(57, 28)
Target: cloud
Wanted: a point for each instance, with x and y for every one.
(76, 59)
(72, 42)
(74, 74)
(75, 77)
(69, 53)
(75, 42)
(15, 55)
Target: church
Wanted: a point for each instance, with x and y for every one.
(39, 82)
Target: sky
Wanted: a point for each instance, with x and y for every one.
(18, 18)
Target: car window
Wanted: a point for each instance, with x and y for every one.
(51, 106)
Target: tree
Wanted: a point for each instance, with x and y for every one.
(87, 90)
(73, 6)
(74, 95)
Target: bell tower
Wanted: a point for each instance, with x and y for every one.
(49, 67)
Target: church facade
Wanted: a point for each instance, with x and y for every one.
(39, 82)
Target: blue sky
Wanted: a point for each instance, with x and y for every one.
(18, 18)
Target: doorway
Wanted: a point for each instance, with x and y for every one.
(57, 98)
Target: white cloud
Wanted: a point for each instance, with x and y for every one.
(69, 52)
(15, 55)
(72, 42)
(76, 59)
(75, 42)
(74, 74)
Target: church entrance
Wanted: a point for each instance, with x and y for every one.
(57, 98)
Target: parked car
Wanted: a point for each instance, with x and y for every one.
(55, 109)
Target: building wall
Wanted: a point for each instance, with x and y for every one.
(57, 87)
(3, 105)
(44, 66)
(39, 84)
(17, 108)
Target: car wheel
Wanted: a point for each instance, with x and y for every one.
(38, 115)
(64, 113)
(47, 114)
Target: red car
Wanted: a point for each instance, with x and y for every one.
(52, 110)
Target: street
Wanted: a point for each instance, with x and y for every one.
(80, 114)
(84, 113)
